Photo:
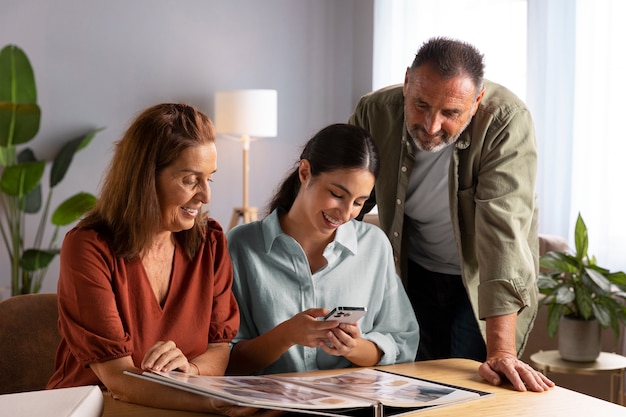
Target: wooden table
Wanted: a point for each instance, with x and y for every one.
(464, 372)
(607, 363)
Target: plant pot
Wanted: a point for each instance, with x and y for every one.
(579, 339)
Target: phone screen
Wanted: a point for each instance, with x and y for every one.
(346, 314)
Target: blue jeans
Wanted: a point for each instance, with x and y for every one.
(448, 328)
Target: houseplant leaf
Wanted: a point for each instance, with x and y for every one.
(35, 259)
(32, 200)
(17, 79)
(17, 180)
(19, 123)
(602, 314)
(555, 311)
(584, 302)
(546, 282)
(617, 278)
(600, 280)
(557, 261)
(564, 295)
(62, 161)
(19, 112)
(72, 209)
(581, 239)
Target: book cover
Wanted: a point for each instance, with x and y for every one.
(84, 401)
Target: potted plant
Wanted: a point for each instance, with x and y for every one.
(22, 173)
(579, 293)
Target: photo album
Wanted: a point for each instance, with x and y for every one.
(362, 392)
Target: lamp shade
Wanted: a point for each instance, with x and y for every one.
(246, 112)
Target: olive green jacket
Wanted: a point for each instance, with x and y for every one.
(492, 198)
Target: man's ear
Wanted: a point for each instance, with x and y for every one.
(406, 81)
(304, 171)
(478, 99)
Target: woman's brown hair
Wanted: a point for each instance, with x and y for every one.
(128, 210)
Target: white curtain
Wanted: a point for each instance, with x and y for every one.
(599, 141)
(576, 69)
(496, 27)
(566, 59)
(551, 70)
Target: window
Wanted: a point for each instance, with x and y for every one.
(571, 78)
(496, 27)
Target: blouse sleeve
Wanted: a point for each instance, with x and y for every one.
(225, 320)
(88, 313)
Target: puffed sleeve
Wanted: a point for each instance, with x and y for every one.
(225, 320)
(89, 318)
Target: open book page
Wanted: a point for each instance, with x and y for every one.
(262, 391)
(388, 388)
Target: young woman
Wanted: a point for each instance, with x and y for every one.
(309, 256)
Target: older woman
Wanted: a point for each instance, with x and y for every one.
(145, 278)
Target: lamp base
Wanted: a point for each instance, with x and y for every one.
(248, 214)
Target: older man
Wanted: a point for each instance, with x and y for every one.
(455, 196)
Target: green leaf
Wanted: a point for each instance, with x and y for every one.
(72, 209)
(34, 259)
(546, 282)
(6, 155)
(584, 302)
(19, 113)
(602, 314)
(62, 161)
(19, 123)
(17, 80)
(32, 200)
(599, 279)
(555, 311)
(18, 180)
(617, 278)
(564, 295)
(559, 262)
(581, 239)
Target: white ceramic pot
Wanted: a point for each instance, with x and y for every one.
(579, 340)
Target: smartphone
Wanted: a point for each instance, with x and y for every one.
(346, 314)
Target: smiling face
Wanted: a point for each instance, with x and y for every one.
(183, 187)
(331, 198)
(437, 109)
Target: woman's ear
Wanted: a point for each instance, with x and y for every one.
(304, 171)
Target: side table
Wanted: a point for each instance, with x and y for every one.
(607, 363)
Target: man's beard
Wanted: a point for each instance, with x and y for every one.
(430, 145)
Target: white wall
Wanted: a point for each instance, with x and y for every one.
(99, 62)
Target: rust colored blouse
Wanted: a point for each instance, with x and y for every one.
(108, 310)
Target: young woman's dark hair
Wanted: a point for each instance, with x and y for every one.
(128, 208)
(338, 146)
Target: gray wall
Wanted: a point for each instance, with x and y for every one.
(99, 62)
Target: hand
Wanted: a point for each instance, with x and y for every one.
(165, 357)
(341, 340)
(304, 329)
(520, 374)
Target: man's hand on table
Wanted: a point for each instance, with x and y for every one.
(520, 374)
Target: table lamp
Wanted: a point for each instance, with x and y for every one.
(246, 115)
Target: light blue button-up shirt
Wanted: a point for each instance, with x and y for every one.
(273, 282)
